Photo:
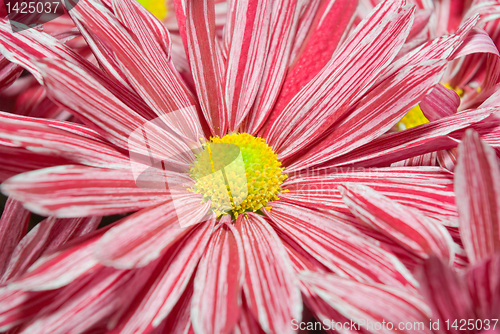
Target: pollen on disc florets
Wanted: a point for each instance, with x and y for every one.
(237, 173)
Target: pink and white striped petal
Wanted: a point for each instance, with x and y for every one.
(59, 139)
(18, 307)
(338, 86)
(441, 102)
(84, 303)
(322, 28)
(59, 269)
(216, 302)
(270, 288)
(45, 238)
(246, 58)
(445, 292)
(247, 324)
(9, 72)
(377, 113)
(108, 115)
(206, 60)
(369, 302)
(345, 252)
(164, 93)
(419, 140)
(168, 282)
(428, 189)
(483, 282)
(30, 45)
(13, 227)
(78, 191)
(145, 235)
(18, 160)
(406, 226)
(477, 185)
(284, 21)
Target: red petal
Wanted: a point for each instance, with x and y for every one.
(422, 139)
(77, 191)
(428, 189)
(477, 185)
(377, 113)
(366, 303)
(441, 102)
(206, 62)
(13, 226)
(247, 57)
(169, 281)
(284, 21)
(445, 292)
(323, 101)
(44, 239)
(406, 226)
(342, 250)
(216, 301)
(66, 140)
(270, 290)
(145, 235)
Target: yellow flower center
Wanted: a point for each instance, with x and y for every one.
(237, 173)
(156, 7)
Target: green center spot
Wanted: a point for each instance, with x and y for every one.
(237, 173)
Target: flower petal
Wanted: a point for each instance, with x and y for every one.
(406, 226)
(284, 21)
(13, 226)
(145, 235)
(85, 303)
(322, 28)
(59, 139)
(441, 102)
(215, 307)
(419, 140)
(346, 253)
(484, 286)
(44, 239)
(477, 185)
(445, 292)
(115, 121)
(172, 274)
(206, 62)
(428, 189)
(163, 93)
(247, 57)
(270, 290)
(377, 113)
(365, 302)
(77, 191)
(30, 45)
(323, 101)
(62, 267)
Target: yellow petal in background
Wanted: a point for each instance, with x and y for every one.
(157, 7)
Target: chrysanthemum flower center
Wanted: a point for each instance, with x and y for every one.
(156, 7)
(237, 173)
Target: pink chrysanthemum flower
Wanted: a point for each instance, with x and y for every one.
(217, 247)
